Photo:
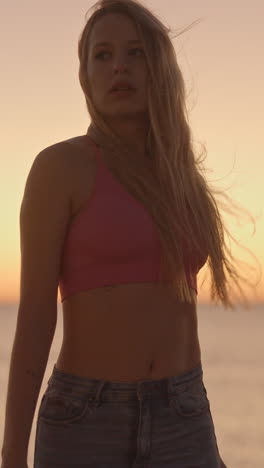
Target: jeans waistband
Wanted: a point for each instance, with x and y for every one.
(111, 390)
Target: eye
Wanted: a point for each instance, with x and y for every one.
(100, 54)
(137, 48)
(105, 52)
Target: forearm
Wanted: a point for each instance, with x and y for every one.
(27, 367)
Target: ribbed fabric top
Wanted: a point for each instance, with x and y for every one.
(112, 240)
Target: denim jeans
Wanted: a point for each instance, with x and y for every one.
(85, 422)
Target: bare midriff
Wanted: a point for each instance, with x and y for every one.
(127, 333)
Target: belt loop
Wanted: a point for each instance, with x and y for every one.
(139, 392)
(168, 387)
(96, 400)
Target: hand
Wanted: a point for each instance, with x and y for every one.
(222, 463)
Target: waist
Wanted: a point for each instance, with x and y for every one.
(149, 388)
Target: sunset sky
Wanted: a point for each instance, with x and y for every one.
(42, 103)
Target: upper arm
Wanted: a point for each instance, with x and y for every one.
(44, 217)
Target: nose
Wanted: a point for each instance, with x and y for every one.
(120, 63)
(120, 67)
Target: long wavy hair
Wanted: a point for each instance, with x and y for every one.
(176, 193)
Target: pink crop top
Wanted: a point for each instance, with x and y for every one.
(112, 240)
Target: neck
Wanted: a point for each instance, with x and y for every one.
(133, 139)
(133, 136)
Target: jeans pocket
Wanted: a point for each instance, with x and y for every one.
(58, 408)
(191, 402)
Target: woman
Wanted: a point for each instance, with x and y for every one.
(122, 221)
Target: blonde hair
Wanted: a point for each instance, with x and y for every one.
(179, 198)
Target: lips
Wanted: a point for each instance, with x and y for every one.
(122, 84)
(123, 91)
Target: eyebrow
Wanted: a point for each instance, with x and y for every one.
(134, 41)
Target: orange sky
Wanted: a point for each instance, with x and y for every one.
(42, 103)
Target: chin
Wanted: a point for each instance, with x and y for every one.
(122, 112)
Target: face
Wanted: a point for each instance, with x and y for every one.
(118, 60)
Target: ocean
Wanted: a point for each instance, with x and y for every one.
(232, 345)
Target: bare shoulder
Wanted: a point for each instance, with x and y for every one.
(79, 160)
(69, 153)
(78, 149)
(76, 159)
